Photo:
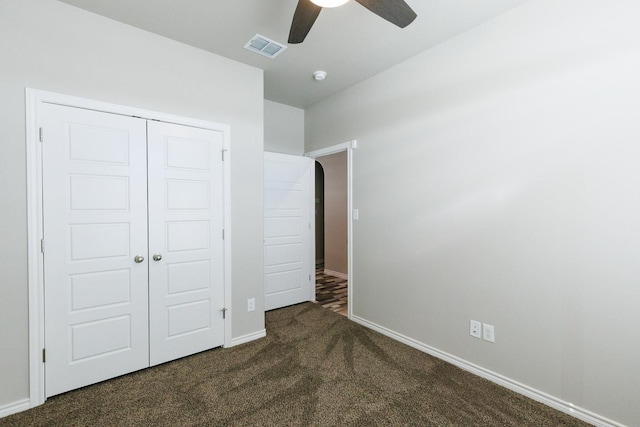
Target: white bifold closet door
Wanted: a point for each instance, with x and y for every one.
(111, 306)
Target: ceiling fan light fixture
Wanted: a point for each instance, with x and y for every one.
(329, 3)
(397, 12)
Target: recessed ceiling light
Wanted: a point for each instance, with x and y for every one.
(319, 75)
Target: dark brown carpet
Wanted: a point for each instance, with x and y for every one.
(315, 367)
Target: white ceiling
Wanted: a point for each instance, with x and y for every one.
(349, 42)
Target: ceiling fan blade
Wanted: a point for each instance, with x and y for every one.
(303, 19)
(397, 12)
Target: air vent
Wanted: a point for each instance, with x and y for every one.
(264, 46)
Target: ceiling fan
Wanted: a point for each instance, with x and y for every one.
(397, 12)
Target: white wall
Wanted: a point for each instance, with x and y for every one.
(335, 212)
(497, 179)
(52, 46)
(283, 128)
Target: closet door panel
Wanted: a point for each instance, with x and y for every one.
(95, 223)
(185, 235)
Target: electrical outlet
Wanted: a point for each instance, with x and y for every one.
(488, 333)
(251, 304)
(474, 328)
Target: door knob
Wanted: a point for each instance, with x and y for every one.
(138, 258)
(157, 257)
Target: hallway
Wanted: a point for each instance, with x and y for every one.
(331, 292)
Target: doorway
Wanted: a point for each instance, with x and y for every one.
(333, 231)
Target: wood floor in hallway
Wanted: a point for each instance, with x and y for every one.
(331, 292)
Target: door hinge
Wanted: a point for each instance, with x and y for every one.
(40, 135)
(44, 355)
(223, 234)
(309, 277)
(223, 155)
(42, 245)
(224, 313)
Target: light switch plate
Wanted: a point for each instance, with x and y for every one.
(488, 333)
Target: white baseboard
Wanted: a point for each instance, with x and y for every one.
(555, 403)
(337, 274)
(15, 407)
(243, 339)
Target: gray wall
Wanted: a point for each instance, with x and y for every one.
(283, 128)
(335, 211)
(52, 46)
(497, 179)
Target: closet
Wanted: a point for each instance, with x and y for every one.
(133, 243)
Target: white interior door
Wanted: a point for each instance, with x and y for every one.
(133, 244)
(288, 203)
(185, 240)
(95, 223)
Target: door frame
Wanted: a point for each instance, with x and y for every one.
(34, 100)
(349, 147)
